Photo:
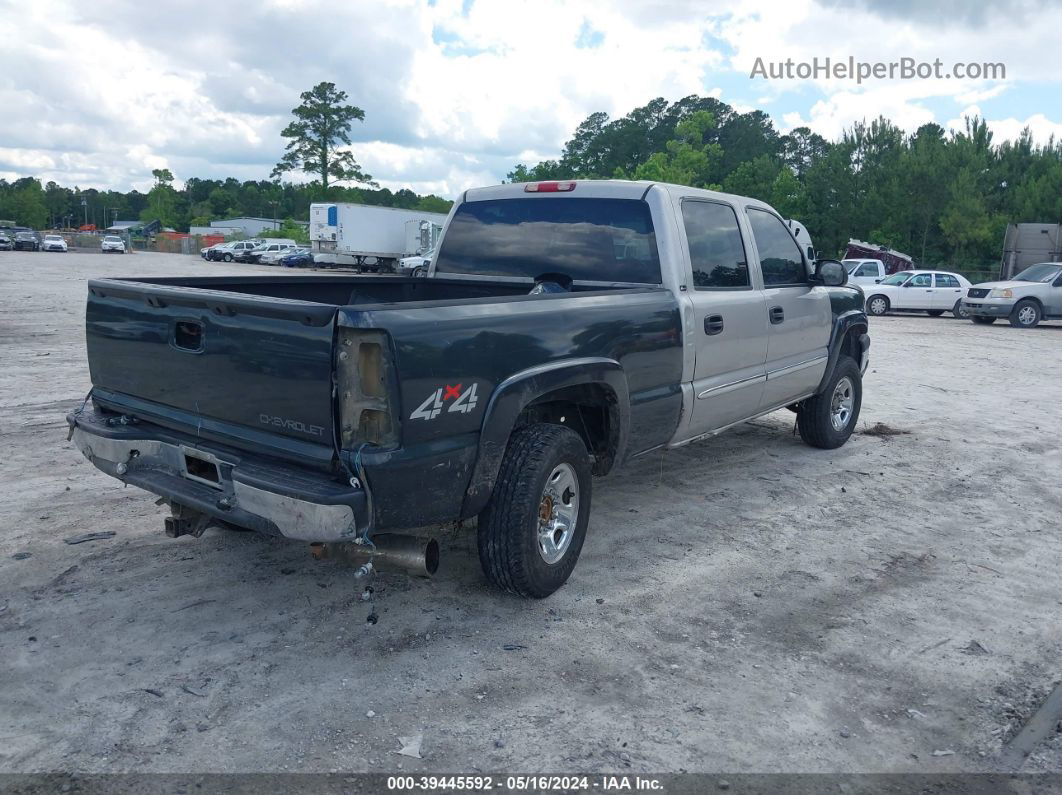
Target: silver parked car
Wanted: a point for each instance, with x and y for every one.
(1033, 295)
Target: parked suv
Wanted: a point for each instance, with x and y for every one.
(1033, 295)
(564, 329)
(27, 241)
(6, 243)
(227, 252)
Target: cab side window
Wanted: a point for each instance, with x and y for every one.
(716, 250)
(867, 270)
(944, 280)
(780, 258)
(921, 280)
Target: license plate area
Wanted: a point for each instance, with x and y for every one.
(201, 467)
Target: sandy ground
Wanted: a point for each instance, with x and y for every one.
(742, 604)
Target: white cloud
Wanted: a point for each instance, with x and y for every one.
(93, 96)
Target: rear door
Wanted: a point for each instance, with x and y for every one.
(946, 291)
(730, 323)
(798, 313)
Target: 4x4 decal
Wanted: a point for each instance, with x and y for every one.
(462, 402)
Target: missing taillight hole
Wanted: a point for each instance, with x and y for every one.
(375, 426)
(188, 335)
(370, 368)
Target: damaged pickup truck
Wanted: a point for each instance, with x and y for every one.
(564, 329)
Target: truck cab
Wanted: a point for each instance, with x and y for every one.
(864, 272)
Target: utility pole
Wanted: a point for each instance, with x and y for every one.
(84, 203)
(275, 225)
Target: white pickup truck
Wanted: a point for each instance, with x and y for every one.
(864, 272)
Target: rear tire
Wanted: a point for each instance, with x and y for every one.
(935, 312)
(960, 311)
(1026, 314)
(227, 258)
(828, 419)
(877, 305)
(532, 530)
(982, 321)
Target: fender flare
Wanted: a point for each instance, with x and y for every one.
(854, 321)
(517, 391)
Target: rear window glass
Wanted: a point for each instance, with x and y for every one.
(605, 240)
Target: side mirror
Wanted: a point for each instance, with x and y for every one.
(908, 284)
(830, 272)
(877, 281)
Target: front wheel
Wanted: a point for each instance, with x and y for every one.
(828, 419)
(532, 530)
(983, 321)
(960, 311)
(227, 258)
(1025, 315)
(878, 305)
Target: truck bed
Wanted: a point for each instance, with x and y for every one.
(250, 361)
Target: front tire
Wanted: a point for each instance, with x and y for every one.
(532, 530)
(1026, 314)
(828, 419)
(878, 305)
(982, 321)
(227, 258)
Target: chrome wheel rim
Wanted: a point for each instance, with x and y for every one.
(962, 311)
(558, 511)
(1026, 315)
(877, 306)
(842, 403)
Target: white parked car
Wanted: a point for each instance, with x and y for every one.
(112, 243)
(53, 243)
(417, 265)
(934, 292)
(1033, 295)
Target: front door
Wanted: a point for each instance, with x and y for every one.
(729, 315)
(798, 313)
(917, 293)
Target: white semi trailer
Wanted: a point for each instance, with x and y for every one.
(370, 238)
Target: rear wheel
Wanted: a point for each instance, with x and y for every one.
(935, 312)
(828, 419)
(1025, 315)
(960, 311)
(983, 321)
(878, 305)
(227, 258)
(532, 530)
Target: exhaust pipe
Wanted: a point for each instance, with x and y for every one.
(412, 555)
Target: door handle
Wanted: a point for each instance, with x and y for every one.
(777, 315)
(713, 324)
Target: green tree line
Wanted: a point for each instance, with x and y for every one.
(51, 206)
(944, 198)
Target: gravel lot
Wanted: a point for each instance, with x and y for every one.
(742, 604)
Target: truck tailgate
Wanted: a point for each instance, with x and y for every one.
(235, 364)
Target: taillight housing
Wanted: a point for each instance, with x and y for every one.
(549, 187)
(363, 384)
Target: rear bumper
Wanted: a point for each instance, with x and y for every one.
(258, 494)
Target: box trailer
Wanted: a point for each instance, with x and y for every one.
(1029, 244)
(370, 238)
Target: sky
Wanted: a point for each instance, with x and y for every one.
(455, 92)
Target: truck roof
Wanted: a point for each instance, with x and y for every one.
(602, 189)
